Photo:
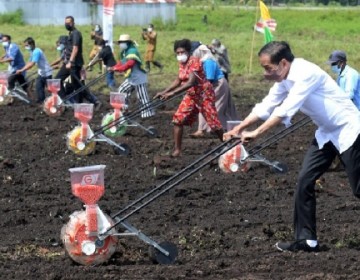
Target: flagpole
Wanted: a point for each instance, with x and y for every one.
(253, 37)
(108, 13)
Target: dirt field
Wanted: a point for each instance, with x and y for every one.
(224, 226)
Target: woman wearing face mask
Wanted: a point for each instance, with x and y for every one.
(136, 78)
(200, 96)
(224, 104)
(37, 57)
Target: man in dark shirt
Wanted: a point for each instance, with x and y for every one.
(74, 61)
(106, 55)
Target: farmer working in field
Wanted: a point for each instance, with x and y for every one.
(74, 63)
(302, 85)
(136, 78)
(15, 59)
(37, 57)
(225, 107)
(199, 97)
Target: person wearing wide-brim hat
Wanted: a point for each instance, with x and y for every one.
(136, 77)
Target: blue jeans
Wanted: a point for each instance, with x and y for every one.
(110, 80)
(40, 84)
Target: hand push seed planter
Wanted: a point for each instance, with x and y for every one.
(54, 105)
(90, 236)
(238, 159)
(81, 140)
(116, 123)
(6, 95)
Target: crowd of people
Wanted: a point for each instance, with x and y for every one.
(203, 75)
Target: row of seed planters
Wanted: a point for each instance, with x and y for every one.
(90, 236)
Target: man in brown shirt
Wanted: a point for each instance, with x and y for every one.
(150, 35)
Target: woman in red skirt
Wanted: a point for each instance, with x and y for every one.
(200, 96)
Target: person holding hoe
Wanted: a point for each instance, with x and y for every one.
(302, 85)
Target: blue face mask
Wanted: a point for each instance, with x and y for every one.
(60, 47)
(335, 69)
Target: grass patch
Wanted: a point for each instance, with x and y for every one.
(312, 34)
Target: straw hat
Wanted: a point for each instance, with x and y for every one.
(124, 38)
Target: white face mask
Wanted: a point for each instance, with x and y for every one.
(123, 46)
(97, 28)
(5, 44)
(150, 29)
(28, 48)
(182, 58)
(335, 69)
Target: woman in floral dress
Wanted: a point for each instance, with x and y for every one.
(199, 97)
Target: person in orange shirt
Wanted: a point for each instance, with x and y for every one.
(150, 35)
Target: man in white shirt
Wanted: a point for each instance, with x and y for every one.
(302, 85)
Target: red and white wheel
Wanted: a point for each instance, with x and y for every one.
(84, 249)
(52, 108)
(230, 161)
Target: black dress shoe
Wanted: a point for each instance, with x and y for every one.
(299, 245)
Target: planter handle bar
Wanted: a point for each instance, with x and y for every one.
(151, 104)
(82, 88)
(225, 146)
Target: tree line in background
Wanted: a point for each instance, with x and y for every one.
(274, 2)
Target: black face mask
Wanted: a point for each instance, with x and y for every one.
(68, 26)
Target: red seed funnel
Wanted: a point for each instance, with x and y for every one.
(53, 85)
(117, 100)
(84, 112)
(87, 183)
(52, 103)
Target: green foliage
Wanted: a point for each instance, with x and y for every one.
(312, 33)
(15, 18)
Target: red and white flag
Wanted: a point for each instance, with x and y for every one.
(261, 24)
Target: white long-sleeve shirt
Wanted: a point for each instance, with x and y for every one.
(311, 90)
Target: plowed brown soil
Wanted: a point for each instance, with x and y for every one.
(224, 225)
